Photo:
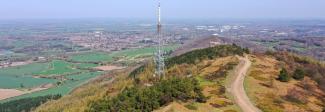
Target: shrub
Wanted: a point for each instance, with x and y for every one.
(283, 76)
(299, 74)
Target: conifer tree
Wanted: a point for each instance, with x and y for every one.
(284, 76)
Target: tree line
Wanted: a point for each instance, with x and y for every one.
(207, 53)
(26, 104)
(198, 55)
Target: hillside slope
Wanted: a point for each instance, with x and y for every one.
(198, 81)
(272, 95)
(209, 67)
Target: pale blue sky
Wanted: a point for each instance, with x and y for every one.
(189, 9)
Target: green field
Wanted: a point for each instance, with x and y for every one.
(15, 77)
(135, 53)
(128, 54)
(62, 89)
(29, 69)
(10, 82)
(59, 67)
(21, 77)
(85, 65)
(92, 57)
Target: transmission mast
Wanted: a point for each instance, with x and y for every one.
(159, 55)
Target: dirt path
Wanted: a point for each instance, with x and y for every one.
(237, 87)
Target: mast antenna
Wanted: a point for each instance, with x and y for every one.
(159, 55)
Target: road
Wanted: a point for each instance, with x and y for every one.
(237, 87)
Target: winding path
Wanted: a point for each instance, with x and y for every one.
(237, 87)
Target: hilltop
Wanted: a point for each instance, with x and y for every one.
(200, 80)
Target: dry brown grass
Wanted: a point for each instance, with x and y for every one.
(217, 101)
(269, 94)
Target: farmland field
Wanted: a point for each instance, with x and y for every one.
(92, 57)
(128, 54)
(59, 67)
(23, 77)
(85, 65)
(29, 69)
(10, 82)
(62, 89)
(15, 77)
(135, 53)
